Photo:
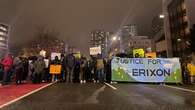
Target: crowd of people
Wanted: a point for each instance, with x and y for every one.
(37, 69)
(79, 70)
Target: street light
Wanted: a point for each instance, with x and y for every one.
(118, 39)
(161, 16)
(114, 38)
(178, 40)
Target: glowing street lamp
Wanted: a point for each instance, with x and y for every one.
(114, 38)
(178, 40)
(161, 16)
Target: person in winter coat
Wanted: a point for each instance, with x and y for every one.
(46, 73)
(63, 71)
(39, 66)
(93, 69)
(70, 61)
(31, 69)
(1, 72)
(56, 61)
(77, 71)
(191, 68)
(18, 69)
(108, 71)
(7, 63)
(88, 70)
(100, 68)
(82, 73)
(25, 68)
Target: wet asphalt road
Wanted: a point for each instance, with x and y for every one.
(63, 96)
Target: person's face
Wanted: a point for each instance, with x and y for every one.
(56, 58)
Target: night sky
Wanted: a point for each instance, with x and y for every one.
(75, 19)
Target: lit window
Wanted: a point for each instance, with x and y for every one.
(2, 33)
(183, 6)
(185, 18)
(2, 39)
(3, 28)
(2, 44)
(187, 30)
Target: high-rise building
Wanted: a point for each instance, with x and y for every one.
(181, 19)
(158, 35)
(100, 38)
(126, 33)
(4, 37)
(129, 30)
(139, 42)
(157, 25)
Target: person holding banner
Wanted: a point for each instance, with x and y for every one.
(191, 68)
(55, 65)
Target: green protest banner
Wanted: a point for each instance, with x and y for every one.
(166, 70)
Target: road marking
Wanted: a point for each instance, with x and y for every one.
(28, 94)
(111, 86)
(179, 88)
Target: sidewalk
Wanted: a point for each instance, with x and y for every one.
(188, 86)
(12, 92)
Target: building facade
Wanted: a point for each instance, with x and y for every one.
(138, 42)
(100, 38)
(181, 19)
(4, 38)
(125, 35)
(158, 35)
(48, 44)
(129, 30)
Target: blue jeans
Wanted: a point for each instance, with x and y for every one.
(6, 77)
(100, 74)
